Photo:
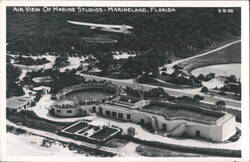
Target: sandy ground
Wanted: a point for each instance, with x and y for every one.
(129, 149)
(22, 74)
(219, 70)
(123, 56)
(74, 62)
(37, 67)
(215, 82)
(69, 140)
(30, 145)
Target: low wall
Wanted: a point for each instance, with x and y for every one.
(206, 151)
(62, 112)
(194, 108)
(101, 86)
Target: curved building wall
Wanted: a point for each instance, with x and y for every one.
(69, 112)
(110, 87)
(219, 131)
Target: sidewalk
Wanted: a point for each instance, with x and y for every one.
(41, 110)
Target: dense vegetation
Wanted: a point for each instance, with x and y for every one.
(61, 62)
(156, 37)
(12, 88)
(59, 79)
(30, 61)
(182, 33)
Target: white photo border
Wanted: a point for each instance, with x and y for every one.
(244, 73)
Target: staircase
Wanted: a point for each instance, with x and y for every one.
(155, 124)
(88, 112)
(179, 130)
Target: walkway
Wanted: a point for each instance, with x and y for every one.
(42, 111)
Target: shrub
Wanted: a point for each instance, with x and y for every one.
(204, 89)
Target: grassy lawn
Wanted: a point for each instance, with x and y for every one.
(227, 95)
(116, 143)
(169, 84)
(29, 119)
(231, 54)
(158, 152)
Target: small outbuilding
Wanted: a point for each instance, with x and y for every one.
(45, 90)
(15, 104)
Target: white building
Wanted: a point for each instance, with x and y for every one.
(167, 118)
(15, 104)
(195, 121)
(44, 89)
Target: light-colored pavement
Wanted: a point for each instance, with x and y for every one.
(142, 134)
(170, 66)
(42, 111)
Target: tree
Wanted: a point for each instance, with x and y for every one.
(197, 98)
(222, 92)
(164, 69)
(13, 89)
(131, 131)
(201, 77)
(238, 90)
(177, 67)
(81, 62)
(220, 104)
(204, 89)
(232, 78)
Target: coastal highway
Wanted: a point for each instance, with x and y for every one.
(173, 92)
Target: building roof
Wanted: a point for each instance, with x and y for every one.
(188, 112)
(45, 79)
(40, 88)
(16, 102)
(65, 104)
(129, 99)
(115, 106)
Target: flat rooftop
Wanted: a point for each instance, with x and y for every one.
(115, 106)
(128, 99)
(15, 102)
(174, 111)
(84, 129)
(44, 79)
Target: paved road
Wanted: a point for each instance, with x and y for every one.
(170, 66)
(174, 92)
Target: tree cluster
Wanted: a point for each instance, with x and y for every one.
(12, 88)
(181, 34)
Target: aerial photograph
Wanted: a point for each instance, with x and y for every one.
(123, 81)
